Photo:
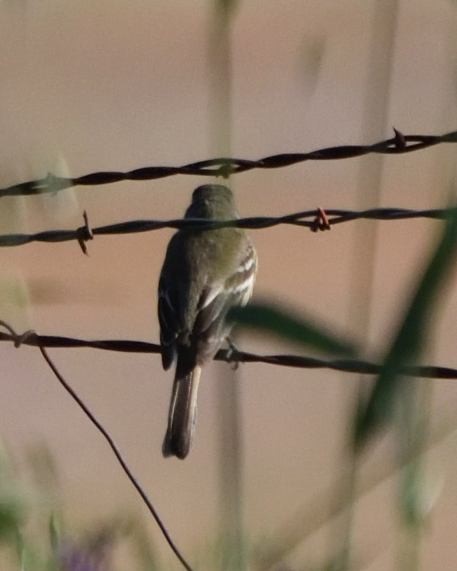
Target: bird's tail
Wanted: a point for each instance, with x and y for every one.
(183, 413)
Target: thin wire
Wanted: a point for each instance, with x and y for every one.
(24, 339)
(308, 218)
(224, 167)
(231, 356)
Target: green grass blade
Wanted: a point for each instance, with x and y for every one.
(409, 340)
(264, 317)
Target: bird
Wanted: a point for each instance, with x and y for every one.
(205, 273)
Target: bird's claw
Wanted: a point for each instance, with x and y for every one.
(231, 354)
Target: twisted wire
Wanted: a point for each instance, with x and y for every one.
(310, 219)
(222, 166)
(232, 355)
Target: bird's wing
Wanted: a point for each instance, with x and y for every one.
(169, 321)
(217, 299)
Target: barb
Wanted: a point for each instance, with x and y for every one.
(230, 356)
(398, 144)
(31, 338)
(311, 219)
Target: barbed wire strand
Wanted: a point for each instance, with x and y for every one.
(231, 355)
(398, 144)
(23, 339)
(317, 219)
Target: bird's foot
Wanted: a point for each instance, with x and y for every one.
(231, 353)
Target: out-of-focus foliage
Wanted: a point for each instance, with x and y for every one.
(34, 535)
(305, 332)
(409, 340)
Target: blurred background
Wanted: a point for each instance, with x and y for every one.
(113, 85)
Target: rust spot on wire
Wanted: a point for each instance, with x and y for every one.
(321, 222)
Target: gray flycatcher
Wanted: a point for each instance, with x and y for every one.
(204, 275)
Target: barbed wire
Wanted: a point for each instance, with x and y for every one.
(232, 355)
(317, 219)
(398, 144)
